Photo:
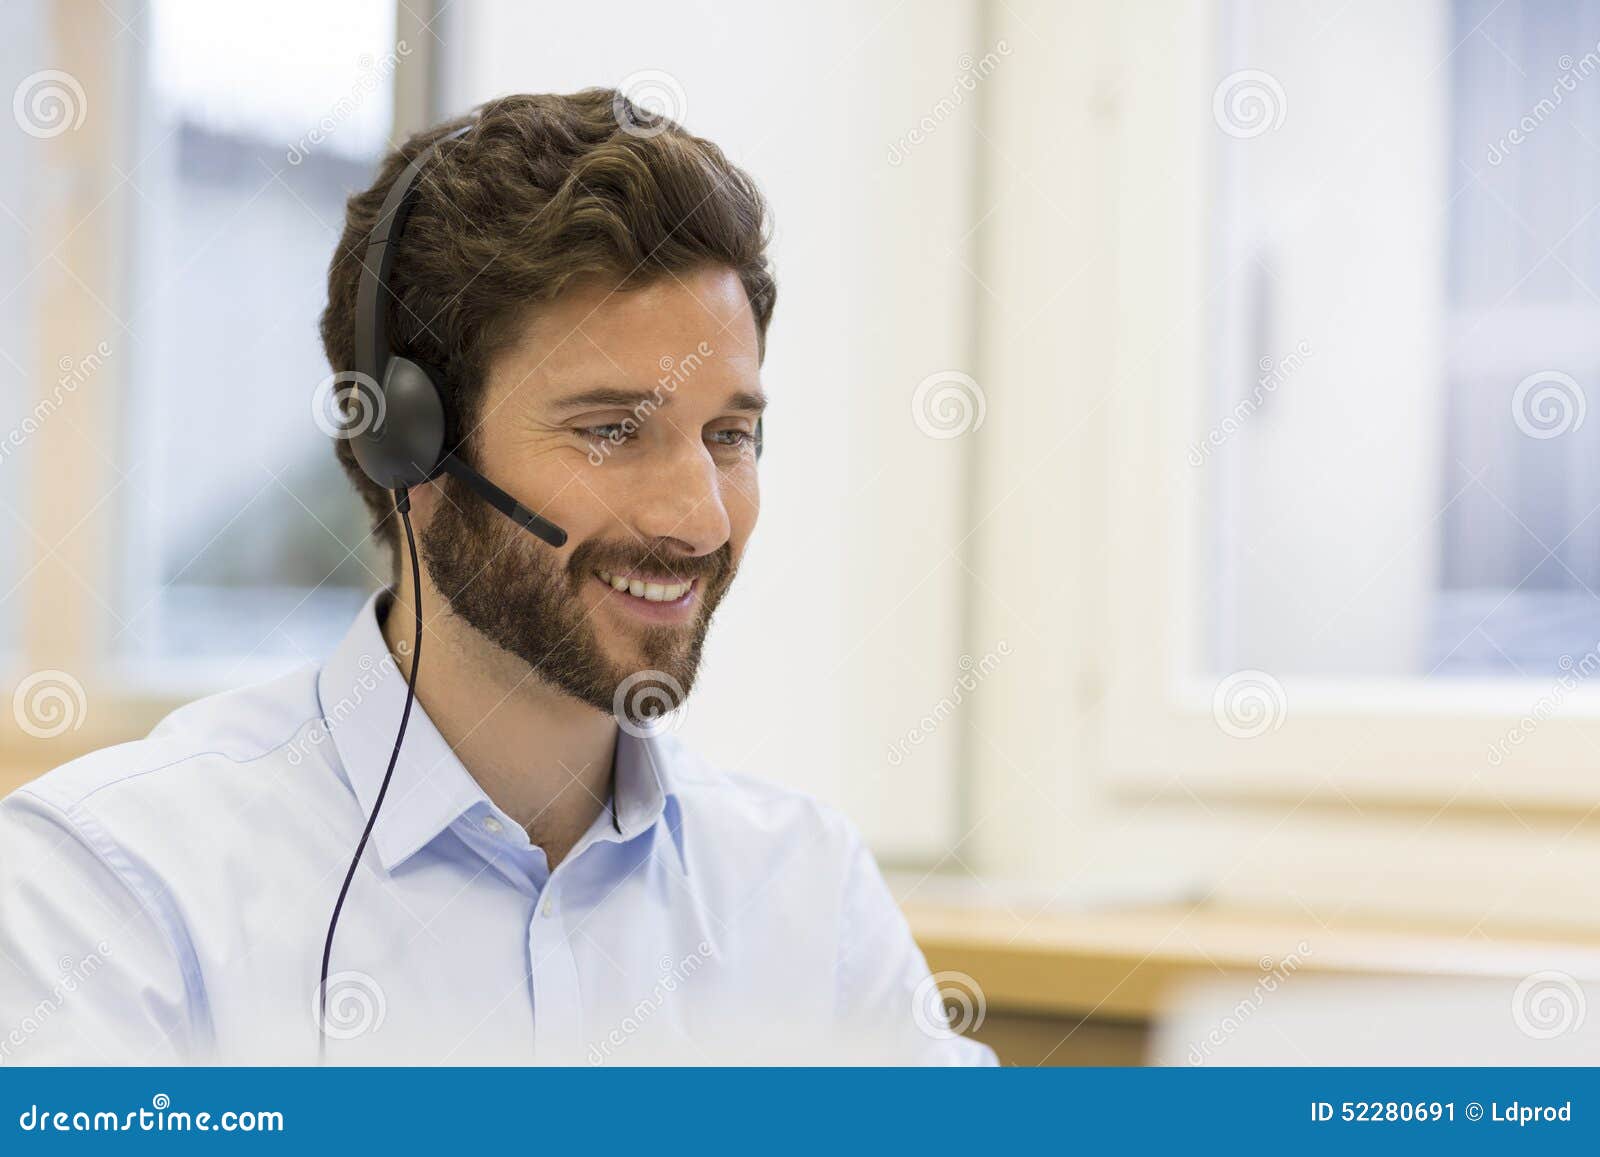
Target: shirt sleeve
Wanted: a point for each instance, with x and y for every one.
(890, 1006)
(88, 971)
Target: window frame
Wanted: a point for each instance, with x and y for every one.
(1382, 742)
(80, 254)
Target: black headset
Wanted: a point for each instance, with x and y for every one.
(410, 438)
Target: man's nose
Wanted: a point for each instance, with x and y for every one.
(681, 501)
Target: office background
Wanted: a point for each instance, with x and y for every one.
(1179, 538)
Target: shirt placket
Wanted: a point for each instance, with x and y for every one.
(553, 976)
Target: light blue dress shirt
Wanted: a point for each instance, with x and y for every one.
(167, 900)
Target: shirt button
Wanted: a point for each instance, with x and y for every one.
(492, 826)
(550, 906)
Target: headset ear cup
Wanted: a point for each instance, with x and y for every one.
(452, 436)
(403, 442)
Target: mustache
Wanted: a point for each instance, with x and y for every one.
(649, 563)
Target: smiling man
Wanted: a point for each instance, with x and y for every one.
(550, 876)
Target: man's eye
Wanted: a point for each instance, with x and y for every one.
(732, 437)
(609, 431)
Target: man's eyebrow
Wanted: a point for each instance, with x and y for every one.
(605, 396)
(747, 401)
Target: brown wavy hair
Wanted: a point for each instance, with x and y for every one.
(543, 189)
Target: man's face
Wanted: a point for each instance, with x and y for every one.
(628, 419)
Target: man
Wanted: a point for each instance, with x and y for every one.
(551, 877)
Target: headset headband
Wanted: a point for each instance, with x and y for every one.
(372, 337)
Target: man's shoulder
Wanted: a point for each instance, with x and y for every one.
(197, 748)
(739, 803)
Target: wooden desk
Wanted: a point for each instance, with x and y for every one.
(1082, 987)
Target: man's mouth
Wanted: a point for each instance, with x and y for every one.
(649, 599)
(646, 589)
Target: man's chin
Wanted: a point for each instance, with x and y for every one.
(666, 658)
(672, 655)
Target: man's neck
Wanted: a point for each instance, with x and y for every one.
(543, 758)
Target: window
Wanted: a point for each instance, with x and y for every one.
(1401, 477)
(245, 548)
(1348, 496)
(1520, 550)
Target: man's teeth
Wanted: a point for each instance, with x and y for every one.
(650, 592)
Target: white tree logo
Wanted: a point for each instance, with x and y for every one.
(648, 703)
(648, 102)
(347, 404)
(356, 1006)
(1549, 1004)
(49, 103)
(948, 404)
(1249, 103)
(49, 703)
(1249, 703)
(948, 1004)
(1548, 404)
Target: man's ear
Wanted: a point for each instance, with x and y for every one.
(425, 500)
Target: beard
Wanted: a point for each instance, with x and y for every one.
(517, 593)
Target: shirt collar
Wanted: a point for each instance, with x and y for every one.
(362, 692)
